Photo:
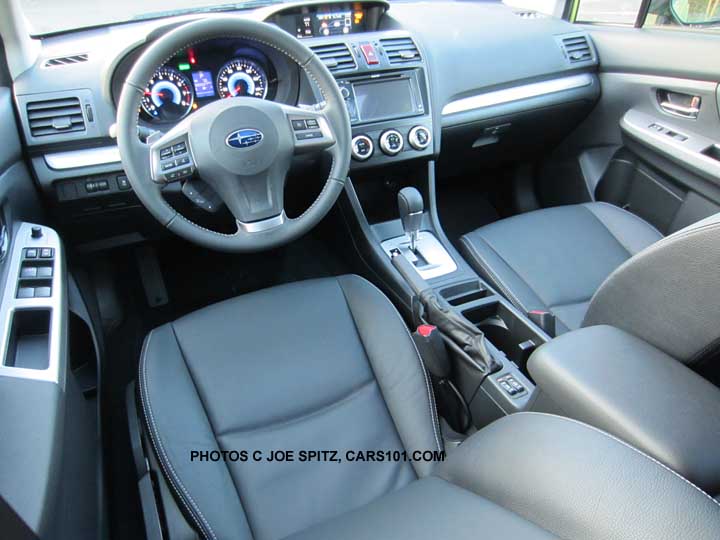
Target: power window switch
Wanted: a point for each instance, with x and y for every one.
(47, 253)
(31, 253)
(44, 271)
(29, 272)
(43, 292)
(26, 292)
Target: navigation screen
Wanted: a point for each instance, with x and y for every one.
(383, 99)
(203, 82)
(330, 23)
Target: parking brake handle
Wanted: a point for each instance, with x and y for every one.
(438, 312)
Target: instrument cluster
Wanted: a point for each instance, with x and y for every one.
(216, 69)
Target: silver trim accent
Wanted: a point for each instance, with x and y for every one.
(358, 156)
(413, 138)
(263, 224)
(440, 262)
(680, 110)
(517, 93)
(57, 304)
(384, 144)
(73, 159)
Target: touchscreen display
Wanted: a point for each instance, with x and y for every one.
(203, 83)
(383, 99)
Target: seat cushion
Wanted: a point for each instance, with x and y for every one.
(555, 259)
(533, 476)
(317, 365)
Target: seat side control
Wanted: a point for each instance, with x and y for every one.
(510, 385)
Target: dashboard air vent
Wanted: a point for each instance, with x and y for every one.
(400, 50)
(55, 116)
(577, 48)
(336, 56)
(66, 60)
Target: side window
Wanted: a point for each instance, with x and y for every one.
(678, 14)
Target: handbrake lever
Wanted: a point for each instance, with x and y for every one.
(438, 311)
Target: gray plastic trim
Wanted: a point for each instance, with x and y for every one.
(517, 93)
(83, 158)
(56, 303)
(687, 153)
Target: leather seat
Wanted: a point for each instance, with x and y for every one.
(555, 259)
(329, 365)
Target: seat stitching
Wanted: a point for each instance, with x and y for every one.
(636, 450)
(493, 275)
(431, 397)
(164, 460)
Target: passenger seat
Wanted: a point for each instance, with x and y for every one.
(555, 259)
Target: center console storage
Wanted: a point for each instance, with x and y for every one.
(610, 379)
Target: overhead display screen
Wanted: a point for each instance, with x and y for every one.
(330, 22)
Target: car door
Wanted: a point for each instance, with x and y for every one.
(49, 470)
(652, 144)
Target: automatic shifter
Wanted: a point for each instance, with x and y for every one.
(410, 205)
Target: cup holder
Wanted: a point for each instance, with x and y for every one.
(464, 293)
(505, 330)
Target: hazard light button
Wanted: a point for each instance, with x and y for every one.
(369, 53)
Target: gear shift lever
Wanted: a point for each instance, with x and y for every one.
(410, 205)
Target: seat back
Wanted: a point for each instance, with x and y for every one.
(668, 294)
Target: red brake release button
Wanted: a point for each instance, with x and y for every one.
(426, 329)
(369, 53)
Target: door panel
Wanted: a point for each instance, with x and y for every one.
(650, 144)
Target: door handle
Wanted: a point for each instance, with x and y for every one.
(677, 104)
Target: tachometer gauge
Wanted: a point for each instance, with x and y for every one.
(168, 96)
(242, 77)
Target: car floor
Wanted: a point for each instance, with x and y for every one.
(194, 278)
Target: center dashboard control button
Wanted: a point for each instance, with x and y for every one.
(362, 147)
(391, 142)
(419, 137)
(369, 53)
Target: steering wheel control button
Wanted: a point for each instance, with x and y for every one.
(391, 142)
(419, 137)
(166, 153)
(309, 135)
(179, 148)
(298, 125)
(362, 147)
(369, 53)
(312, 123)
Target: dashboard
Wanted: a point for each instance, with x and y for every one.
(209, 71)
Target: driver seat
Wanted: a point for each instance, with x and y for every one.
(329, 365)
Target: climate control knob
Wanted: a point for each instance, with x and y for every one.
(362, 147)
(391, 142)
(419, 137)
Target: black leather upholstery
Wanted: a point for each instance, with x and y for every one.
(329, 365)
(556, 258)
(612, 380)
(325, 364)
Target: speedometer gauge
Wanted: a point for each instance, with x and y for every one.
(242, 77)
(168, 96)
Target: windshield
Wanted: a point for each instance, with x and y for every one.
(51, 16)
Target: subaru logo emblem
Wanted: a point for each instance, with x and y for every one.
(244, 138)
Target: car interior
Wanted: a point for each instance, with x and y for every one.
(330, 269)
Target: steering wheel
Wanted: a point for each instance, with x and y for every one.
(242, 147)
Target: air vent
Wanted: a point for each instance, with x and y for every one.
(529, 14)
(66, 60)
(400, 50)
(55, 116)
(336, 56)
(577, 48)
